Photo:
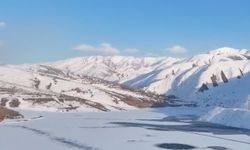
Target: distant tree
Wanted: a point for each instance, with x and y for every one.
(14, 102)
(214, 80)
(4, 101)
(209, 61)
(36, 83)
(55, 81)
(173, 73)
(203, 88)
(49, 86)
(223, 76)
(194, 65)
(241, 72)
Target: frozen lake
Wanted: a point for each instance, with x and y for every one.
(147, 129)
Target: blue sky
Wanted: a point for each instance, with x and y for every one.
(46, 30)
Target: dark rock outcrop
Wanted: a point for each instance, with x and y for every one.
(6, 113)
(214, 80)
(223, 77)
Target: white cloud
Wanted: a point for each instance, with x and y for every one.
(2, 24)
(105, 48)
(131, 50)
(176, 49)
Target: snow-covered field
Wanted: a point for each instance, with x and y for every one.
(146, 129)
(228, 116)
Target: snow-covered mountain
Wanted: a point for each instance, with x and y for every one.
(41, 87)
(112, 68)
(217, 78)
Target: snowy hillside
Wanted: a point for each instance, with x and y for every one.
(219, 77)
(112, 68)
(41, 87)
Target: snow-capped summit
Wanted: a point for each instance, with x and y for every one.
(225, 50)
(231, 53)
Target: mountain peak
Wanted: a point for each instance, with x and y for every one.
(224, 50)
(228, 51)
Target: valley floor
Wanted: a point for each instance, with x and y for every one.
(147, 129)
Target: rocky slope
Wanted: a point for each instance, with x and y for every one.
(6, 113)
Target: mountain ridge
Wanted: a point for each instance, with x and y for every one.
(120, 82)
(183, 78)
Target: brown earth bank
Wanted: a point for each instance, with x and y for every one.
(6, 113)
